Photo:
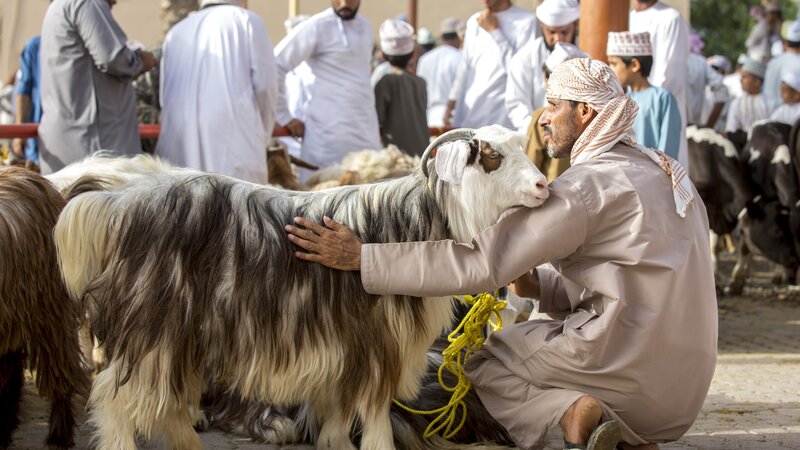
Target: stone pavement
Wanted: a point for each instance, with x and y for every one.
(754, 401)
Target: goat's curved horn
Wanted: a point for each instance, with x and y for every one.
(452, 135)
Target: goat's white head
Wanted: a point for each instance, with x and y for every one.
(493, 175)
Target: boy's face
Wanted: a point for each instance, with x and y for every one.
(789, 95)
(751, 83)
(622, 71)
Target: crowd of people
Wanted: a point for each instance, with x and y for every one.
(223, 88)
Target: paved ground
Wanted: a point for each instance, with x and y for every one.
(754, 401)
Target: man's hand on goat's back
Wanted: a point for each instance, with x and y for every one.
(333, 245)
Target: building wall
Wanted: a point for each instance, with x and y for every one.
(22, 19)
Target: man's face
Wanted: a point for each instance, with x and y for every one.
(750, 83)
(559, 123)
(563, 34)
(789, 95)
(346, 9)
(621, 70)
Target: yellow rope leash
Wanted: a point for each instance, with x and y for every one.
(465, 340)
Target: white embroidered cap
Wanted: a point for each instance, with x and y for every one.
(397, 37)
(557, 13)
(626, 43)
(792, 79)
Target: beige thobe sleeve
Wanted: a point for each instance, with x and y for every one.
(553, 295)
(521, 240)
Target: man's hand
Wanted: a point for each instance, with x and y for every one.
(527, 285)
(296, 128)
(18, 147)
(488, 20)
(336, 246)
(149, 61)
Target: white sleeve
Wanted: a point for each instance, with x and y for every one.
(519, 85)
(292, 50)
(264, 73)
(732, 123)
(672, 56)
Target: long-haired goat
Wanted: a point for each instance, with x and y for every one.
(189, 275)
(37, 317)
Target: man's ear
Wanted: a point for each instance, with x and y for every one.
(585, 113)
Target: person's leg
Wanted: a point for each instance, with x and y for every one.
(580, 419)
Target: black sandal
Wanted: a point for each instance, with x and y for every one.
(605, 437)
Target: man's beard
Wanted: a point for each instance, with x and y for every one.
(562, 151)
(347, 13)
(572, 41)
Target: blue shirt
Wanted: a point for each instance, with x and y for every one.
(29, 84)
(658, 124)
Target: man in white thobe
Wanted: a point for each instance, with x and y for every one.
(491, 39)
(669, 36)
(341, 117)
(702, 78)
(439, 67)
(298, 85)
(558, 20)
(788, 61)
(218, 92)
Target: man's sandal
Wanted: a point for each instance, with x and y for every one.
(605, 437)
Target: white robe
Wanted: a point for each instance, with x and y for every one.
(700, 77)
(439, 68)
(525, 84)
(787, 113)
(341, 116)
(298, 84)
(218, 93)
(745, 111)
(669, 36)
(480, 86)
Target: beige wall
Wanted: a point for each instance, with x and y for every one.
(22, 19)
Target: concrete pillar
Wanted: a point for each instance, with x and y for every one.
(598, 17)
(294, 7)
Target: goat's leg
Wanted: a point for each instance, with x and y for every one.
(180, 416)
(335, 432)
(110, 416)
(377, 433)
(11, 382)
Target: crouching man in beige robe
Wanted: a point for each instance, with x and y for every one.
(627, 237)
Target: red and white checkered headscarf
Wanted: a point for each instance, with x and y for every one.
(594, 83)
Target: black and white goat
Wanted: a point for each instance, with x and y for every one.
(37, 319)
(188, 275)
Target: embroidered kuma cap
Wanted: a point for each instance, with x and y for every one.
(397, 37)
(754, 67)
(791, 78)
(626, 43)
(557, 13)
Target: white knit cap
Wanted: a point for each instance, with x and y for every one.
(629, 44)
(425, 37)
(792, 79)
(562, 52)
(397, 37)
(793, 31)
(719, 62)
(557, 13)
(755, 67)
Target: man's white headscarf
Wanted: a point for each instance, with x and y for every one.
(591, 81)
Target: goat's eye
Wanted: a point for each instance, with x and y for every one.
(494, 155)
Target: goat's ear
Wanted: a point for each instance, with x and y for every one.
(451, 161)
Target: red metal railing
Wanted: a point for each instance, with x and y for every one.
(29, 130)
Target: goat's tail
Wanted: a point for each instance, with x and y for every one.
(81, 235)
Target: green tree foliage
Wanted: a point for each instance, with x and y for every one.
(725, 24)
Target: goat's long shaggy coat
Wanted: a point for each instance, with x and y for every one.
(37, 318)
(190, 276)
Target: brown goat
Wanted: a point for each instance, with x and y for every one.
(38, 320)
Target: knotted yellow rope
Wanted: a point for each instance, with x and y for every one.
(465, 340)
